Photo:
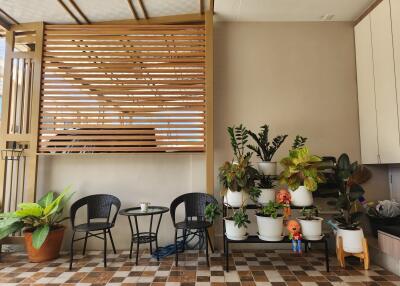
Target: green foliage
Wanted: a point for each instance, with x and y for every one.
(309, 213)
(301, 168)
(265, 149)
(254, 193)
(266, 182)
(40, 217)
(238, 176)
(240, 217)
(271, 209)
(298, 142)
(349, 177)
(212, 211)
(239, 137)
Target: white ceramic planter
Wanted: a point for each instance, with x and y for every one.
(267, 168)
(311, 229)
(266, 196)
(233, 232)
(270, 229)
(236, 199)
(352, 240)
(301, 197)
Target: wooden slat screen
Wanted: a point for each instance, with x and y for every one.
(123, 88)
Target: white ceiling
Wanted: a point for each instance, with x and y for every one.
(226, 10)
(289, 10)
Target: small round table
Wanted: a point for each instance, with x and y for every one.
(143, 237)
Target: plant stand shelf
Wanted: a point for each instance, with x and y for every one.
(256, 239)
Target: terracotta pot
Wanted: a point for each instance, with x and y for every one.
(50, 248)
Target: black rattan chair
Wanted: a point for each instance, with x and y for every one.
(195, 204)
(99, 208)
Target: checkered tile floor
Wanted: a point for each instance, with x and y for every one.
(279, 267)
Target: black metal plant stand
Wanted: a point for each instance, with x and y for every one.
(256, 239)
(147, 236)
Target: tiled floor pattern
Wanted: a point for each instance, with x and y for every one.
(279, 268)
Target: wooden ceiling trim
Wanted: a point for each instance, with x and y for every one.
(133, 10)
(163, 20)
(8, 17)
(144, 11)
(66, 8)
(80, 12)
(367, 11)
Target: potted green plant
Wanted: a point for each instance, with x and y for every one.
(265, 149)
(211, 212)
(266, 186)
(311, 223)
(270, 222)
(41, 225)
(238, 177)
(302, 175)
(349, 178)
(236, 224)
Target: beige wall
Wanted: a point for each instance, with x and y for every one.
(298, 77)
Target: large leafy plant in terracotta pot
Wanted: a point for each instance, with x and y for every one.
(40, 223)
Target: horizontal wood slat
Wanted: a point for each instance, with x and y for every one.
(122, 89)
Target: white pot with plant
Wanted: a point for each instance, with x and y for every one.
(267, 191)
(311, 224)
(236, 224)
(350, 176)
(265, 150)
(270, 222)
(301, 173)
(238, 177)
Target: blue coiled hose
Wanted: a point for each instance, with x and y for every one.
(170, 249)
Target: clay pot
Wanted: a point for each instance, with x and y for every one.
(50, 248)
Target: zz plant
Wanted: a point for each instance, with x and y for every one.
(239, 136)
(265, 149)
(41, 217)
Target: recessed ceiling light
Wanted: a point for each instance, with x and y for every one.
(327, 17)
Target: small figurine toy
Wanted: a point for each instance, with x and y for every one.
(283, 197)
(295, 235)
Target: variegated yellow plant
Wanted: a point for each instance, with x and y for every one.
(301, 168)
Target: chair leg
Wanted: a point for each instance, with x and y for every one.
(112, 241)
(206, 238)
(105, 248)
(209, 241)
(71, 251)
(176, 247)
(84, 244)
(185, 231)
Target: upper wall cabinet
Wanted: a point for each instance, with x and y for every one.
(377, 91)
(366, 92)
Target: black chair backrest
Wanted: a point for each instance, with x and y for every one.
(195, 204)
(98, 207)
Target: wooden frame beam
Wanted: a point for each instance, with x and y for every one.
(201, 2)
(8, 17)
(141, 4)
(133, 10)
(69, 11)
(367, 11)
(163, 20)
(79, 10)
(6, 20)
(211, 6)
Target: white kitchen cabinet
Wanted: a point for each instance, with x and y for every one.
(366, 93)
(385, 84)
(378, 93)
